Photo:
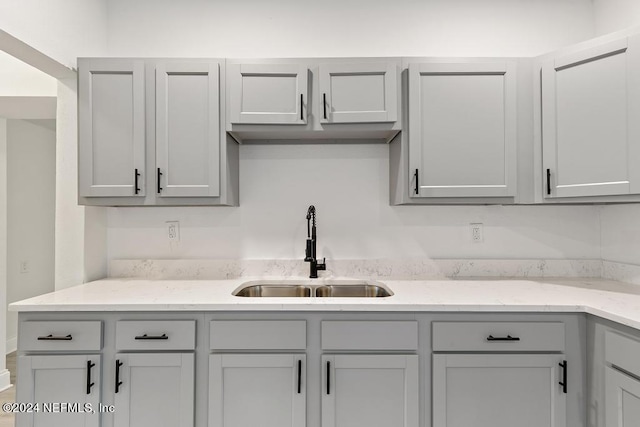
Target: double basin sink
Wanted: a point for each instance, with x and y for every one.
(325, 289)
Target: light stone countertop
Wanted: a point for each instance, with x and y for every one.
(616, 301)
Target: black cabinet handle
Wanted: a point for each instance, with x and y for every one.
(152, 337)
(137, 175)
(89, 383)
(159, 189)
(118, 382)
(548, 181)
(299, 376)
(324, 105)
(328, 377)
(50, 337)
(563, 383)
(301, 100)
(507, 338)
(417, 186)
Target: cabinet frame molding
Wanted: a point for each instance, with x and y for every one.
(416, 145)
(389, 72)
(86, 185)
(212, 187)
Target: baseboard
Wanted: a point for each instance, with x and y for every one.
(12, 345)
(5, 380)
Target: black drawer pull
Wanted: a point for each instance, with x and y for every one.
(324, 105)
(301, 106)
(118, 382)
(159, 187)
(89, 383)
(152, 337)
(328, 377)
(50, 337)
(299, 376)
(563, 383)
(507, 338)
(548, 182)
(136, 175)
(417, 186)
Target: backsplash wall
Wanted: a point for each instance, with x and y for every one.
(349, 186)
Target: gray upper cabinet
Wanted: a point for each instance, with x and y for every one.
(187, 129)
(590, 126)
(150, 133)
(111, 128)
(462, 129)
(268, 94)
(358, 92)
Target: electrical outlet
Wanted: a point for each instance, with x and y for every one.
(477, 235)
(173, 231)
(24, 267)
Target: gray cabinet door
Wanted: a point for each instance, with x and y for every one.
(267, 390)
(370, 390)
(462, 129)
(590, 108)
(358, 93)
(111, 124)
(268, 93)
(497, 390)
(187, 129)
(72, 380)
(157, 390)
(622, 399)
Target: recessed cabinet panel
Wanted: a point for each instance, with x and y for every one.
(72, 379)
(370, 390)
(497, 391)
(268, 94)
(589, 129)
(155, 390)
(358, 93)
(111, 128)
(622, 399)
(462, 130)
(267, 390)
(187, 130)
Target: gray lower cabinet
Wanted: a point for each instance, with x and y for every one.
(622, 399)
(267, 390)
(498, 390)
(462, 129)
(154, 390)
(370, 390)
(590, 101)
(66, 389)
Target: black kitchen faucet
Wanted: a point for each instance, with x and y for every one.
(310, 253)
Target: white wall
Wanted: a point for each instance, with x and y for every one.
(294, 28)
(614, 15)
(31, 149)
(348, 184)
(20, 79)
(4, 373)
(62, 30)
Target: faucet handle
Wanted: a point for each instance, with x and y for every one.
(322, 265)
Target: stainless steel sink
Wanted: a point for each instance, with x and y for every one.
(322, 289)
(353, 291)
(274, 291)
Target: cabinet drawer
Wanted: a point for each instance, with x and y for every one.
(498, 336)
(622, 352)
(370, 335)
(258, 335)
(60, 336)
(156, 335)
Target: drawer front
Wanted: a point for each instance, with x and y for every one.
(622, 352)
(258, 335)
(370, 335)
(60, 336)
(156, 335)
(498, 336)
